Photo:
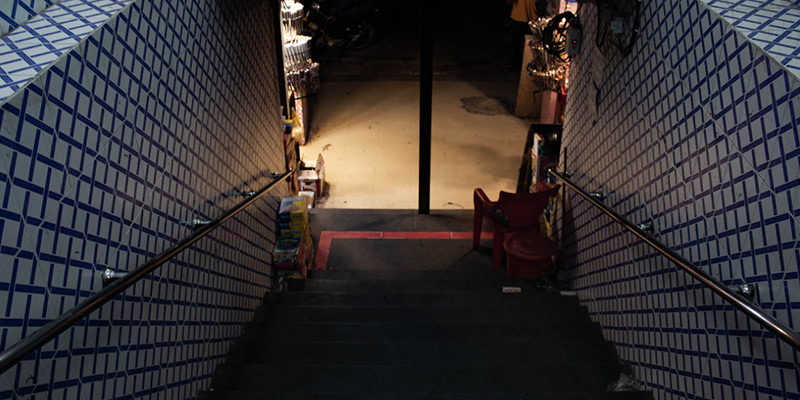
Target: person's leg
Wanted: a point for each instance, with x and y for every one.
(515, 39)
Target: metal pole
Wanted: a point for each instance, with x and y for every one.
(425, 106)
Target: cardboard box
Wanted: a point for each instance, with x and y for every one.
(302, 231)
(289, 252)
(292, 257)
(312, 177)
(293, 226)
(311, 197)
(293, 209)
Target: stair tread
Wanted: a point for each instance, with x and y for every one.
(433, 353)
(415, 275)
(584, 395)
(330, 219)
(428, 332)
(449, 332)
(291, 313)
(423, 378)
(415, 285)
(441, 299)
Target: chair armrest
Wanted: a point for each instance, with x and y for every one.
(489, 208)
(480, 197)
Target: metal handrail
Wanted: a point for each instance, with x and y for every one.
(781, 330)
(29, 344)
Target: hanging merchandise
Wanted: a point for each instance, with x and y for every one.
(297, 53)
(304, 81)
(549, 67)
(301, 73)
(551, 80)
(292, 20)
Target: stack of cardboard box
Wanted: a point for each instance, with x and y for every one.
(292, 255)
(312, 180)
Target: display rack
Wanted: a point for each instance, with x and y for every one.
(301, 73)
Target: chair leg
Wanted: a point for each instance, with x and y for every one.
(476, 227)
(497, 252)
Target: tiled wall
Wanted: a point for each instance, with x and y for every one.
(14, 13)
(43, 40)
(773, 25)
(696, 131)
(156, 113)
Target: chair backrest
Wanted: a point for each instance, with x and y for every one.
(523, 209)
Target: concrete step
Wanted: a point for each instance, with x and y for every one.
(407, 255)
(435, 353)
(427, 315)
(431, 300)
(595, 395)
(412, 275)
(330, 219)
(417, 319)
(417, 332)
(429, 285)
(361, 379)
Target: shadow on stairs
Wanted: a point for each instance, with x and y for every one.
(417, 321)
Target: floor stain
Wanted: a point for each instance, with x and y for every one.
(487, 105)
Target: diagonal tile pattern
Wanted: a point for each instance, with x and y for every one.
(17, 12)
(28, 50)
(117, 126)
(773, 25)
(695, 130)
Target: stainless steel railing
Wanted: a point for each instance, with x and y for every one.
(781, 330)
(118, 283)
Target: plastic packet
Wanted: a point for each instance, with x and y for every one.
(625, 383)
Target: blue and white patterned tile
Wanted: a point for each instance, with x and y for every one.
(16, 12)
(46, 37)
(774, 25)
(702, 187)
(117, 204)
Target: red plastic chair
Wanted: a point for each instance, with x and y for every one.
(512, 212)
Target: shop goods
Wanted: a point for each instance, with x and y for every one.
(304, 81)
(291, 20)
(310, 196)
(312, 177)
(292, 256)
(292, 210)
(548, 69)
(297, 53)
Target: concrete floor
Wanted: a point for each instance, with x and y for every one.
(368, 133)
(365, 120)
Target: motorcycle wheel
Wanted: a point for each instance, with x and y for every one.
(364, 37)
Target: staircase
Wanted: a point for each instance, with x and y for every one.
(421, 334)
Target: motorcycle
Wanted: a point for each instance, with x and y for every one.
(348, 24)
